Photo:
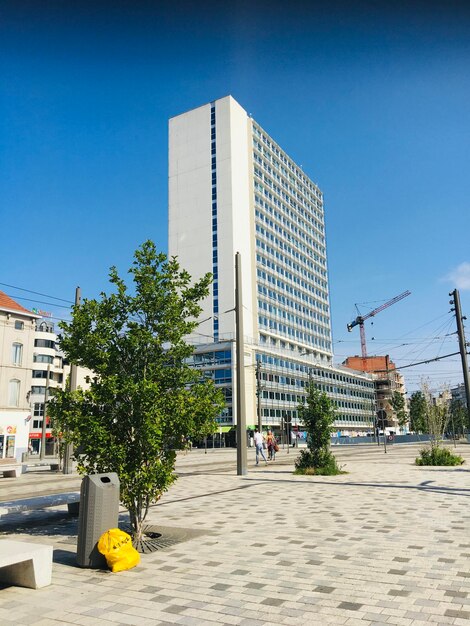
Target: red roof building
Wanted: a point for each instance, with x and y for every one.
(8, 304)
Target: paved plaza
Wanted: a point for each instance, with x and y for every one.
(386, 543)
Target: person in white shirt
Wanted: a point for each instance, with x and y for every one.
(259, 447)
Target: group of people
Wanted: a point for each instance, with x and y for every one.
(271, 445)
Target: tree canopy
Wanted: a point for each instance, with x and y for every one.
(144, 398)
(418, 412)
(398, 405)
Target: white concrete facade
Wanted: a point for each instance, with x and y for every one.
(190, 201)
(233, 189)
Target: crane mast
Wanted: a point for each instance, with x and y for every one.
(360, 319)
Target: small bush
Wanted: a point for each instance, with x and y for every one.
(305, 466)
(438, 456)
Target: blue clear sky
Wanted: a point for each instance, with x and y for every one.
(372, 98)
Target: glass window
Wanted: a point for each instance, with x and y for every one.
(38, 390)
(39, 374)
(17, 353)
(38, 409)
(43, 358)
(13, 392)
(44, 343)
(19, 325)
(10, 447)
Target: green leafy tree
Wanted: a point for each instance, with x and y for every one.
(317, 415)
(143, 399)
(459, 417)
(437, 419)
(436, 415)
(397, 402)
(418, 412)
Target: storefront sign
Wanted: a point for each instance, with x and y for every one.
(42, 313)
(39, 435)
(11, 430)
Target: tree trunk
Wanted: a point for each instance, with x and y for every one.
(137, 518)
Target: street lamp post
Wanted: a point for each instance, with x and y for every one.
(44, 417)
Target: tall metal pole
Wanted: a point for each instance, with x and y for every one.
(258, 395)
(241, 416)
(288, 437)
(44, 417)
(68, 451)
(462, 344)
(389, 384)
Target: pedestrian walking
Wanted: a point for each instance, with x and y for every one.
(271, 444)
(259, 447)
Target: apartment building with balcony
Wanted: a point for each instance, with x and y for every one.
(48, 373)
(17, 329)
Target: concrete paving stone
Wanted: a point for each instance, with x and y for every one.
(349, 606)
(363, 578)
(354, 621)
(122, 618)
(229, 619)
(441, 619)
(426, 602)
(205, 616)
(47, 622)
(456, 594)
(187, 620)
(85, 620)
(457, 614)
(399, 621)
(373, 617)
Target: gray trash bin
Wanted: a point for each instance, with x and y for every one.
(99, 511)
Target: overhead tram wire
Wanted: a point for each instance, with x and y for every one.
(52, 304)
(402, 367)
(400, 337)
(441, 328)
(36, 293)
(405, 334)
(418, 352)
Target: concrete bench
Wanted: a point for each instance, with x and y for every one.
(25, 564)
(10, 468)
(71, 499)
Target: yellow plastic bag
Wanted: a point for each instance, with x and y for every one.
(116, 545)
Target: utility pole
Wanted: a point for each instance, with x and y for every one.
(68, 451)
(44, 417)
(258, 394)
(389, 386)
(241, 417)
(462, 343)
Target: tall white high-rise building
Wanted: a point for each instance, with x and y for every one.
(232, 188)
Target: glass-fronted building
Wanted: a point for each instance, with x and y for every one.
(233, 189)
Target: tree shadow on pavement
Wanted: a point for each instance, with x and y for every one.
(318, 480)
